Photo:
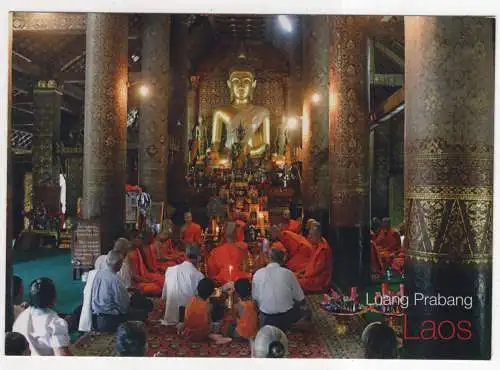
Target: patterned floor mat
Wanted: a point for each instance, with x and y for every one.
(326, 339)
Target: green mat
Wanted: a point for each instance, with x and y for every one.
(56, 265)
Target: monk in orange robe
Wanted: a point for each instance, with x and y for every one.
(387, 241)
(299, 250)
(147, 282)
(317, 274)
(197, 318)
(228, 261)
(245, 322)
(376, 265)
(288, 224)
(190, 231)
(309, 225)
(166, 249)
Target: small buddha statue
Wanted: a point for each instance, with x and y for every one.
(246, 124)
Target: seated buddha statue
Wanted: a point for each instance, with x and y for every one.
(246, 124)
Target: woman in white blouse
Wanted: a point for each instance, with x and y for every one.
(46, 333)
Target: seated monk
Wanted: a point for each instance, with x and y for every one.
(288, 224)
(153, 257)
(309, 225)
(317, 274)
(145, 281)
(166, 248)
(299, 250)
(227, 262)
(199, 314)
(190, 231)
(387, 241)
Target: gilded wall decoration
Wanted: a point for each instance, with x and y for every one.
(153, 128)
(349, 132)
(64, 22)
(449, 139)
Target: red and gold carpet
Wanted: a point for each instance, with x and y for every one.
(325, 339)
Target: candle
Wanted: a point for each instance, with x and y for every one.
(354, 293)
(230, 272)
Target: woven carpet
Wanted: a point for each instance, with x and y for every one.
(323, 340)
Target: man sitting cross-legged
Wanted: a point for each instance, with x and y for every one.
(180, 285)
(278, 294)
(110, 301)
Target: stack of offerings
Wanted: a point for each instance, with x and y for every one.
(336, 303)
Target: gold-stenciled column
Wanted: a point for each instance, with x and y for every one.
(104, 151)
(315, 125)
(191, 115)
(349, 151)
(153, 125)
(449, 97)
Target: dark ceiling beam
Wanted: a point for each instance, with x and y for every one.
(73, 77)
(391, 106)
(388, 79)
(72, 90)
(390, 54)
(389, 28)
(22, 64)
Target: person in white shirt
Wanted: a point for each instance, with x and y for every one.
(46, 333)
(123, 246)
(278, 294)
(180, 285)
(18, 292)
(85, 323)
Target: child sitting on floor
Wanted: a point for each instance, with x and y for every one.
(245, 311)
(198, 315)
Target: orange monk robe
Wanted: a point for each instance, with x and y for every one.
(317, 274)
(225, 262)
(152, 257)
(376, 265)
(148, 283)
(299, 250)
(293, 226)
(399, 261)
(387, 242)
(167, 250)
(247, 323)
(191, 233)
(197, 325)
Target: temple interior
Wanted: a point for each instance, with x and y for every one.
(362, 146)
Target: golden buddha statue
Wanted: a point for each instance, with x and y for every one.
(245, 123)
